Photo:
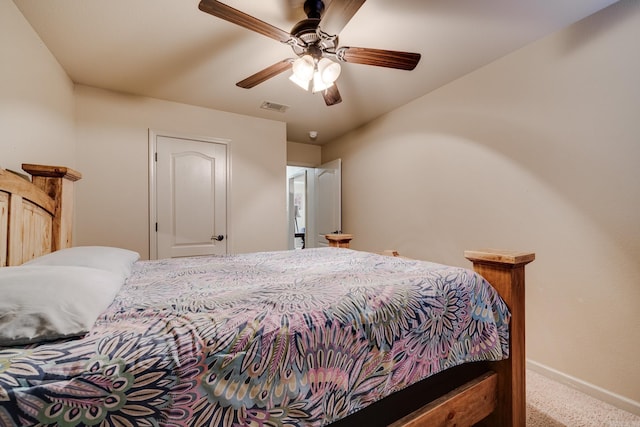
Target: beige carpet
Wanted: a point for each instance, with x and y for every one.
(551, 404)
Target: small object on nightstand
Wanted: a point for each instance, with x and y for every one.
(339, 240)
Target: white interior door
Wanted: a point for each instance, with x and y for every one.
(190, 197)
(327, 201)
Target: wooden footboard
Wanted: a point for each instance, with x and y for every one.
(497, 397)
(475, 401)
(463, 406)
(505, 271)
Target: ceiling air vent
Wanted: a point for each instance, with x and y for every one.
(267, 105)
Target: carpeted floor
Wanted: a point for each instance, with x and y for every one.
(551, 404)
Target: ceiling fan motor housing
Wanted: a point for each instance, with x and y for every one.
(306, 30)
(314, 8)
(315, 42)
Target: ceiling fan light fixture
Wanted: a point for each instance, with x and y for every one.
(304, 84)
(304, 67)
(318, 75)
(329, 70)
(318, 84)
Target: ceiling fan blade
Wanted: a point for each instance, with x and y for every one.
(331, 95)
(237, 17)
(266, 74)
(338, 14)
(379, 57)
(293, 9)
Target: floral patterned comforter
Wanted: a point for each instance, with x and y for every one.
(286, 338)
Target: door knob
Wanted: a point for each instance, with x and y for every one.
(219, 237)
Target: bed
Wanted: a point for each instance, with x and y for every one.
(327, 336)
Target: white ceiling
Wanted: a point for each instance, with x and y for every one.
(169, 49)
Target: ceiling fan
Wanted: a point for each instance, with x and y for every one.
(315, 42)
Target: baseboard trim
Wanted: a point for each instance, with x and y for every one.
(592, 390)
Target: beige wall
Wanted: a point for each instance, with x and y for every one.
(112, 198)
(38, 119)
(539, 151)
(306, 155)
(36, 98)
(109, 145)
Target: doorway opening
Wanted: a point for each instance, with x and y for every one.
(297, 206)
(313, 204)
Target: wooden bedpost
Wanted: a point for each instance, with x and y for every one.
(57, 182)
(505, 271)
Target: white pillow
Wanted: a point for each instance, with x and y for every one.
(40, 303)
(117, 260)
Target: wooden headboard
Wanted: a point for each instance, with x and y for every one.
(35, 216)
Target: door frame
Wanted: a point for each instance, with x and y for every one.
(153, 216)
